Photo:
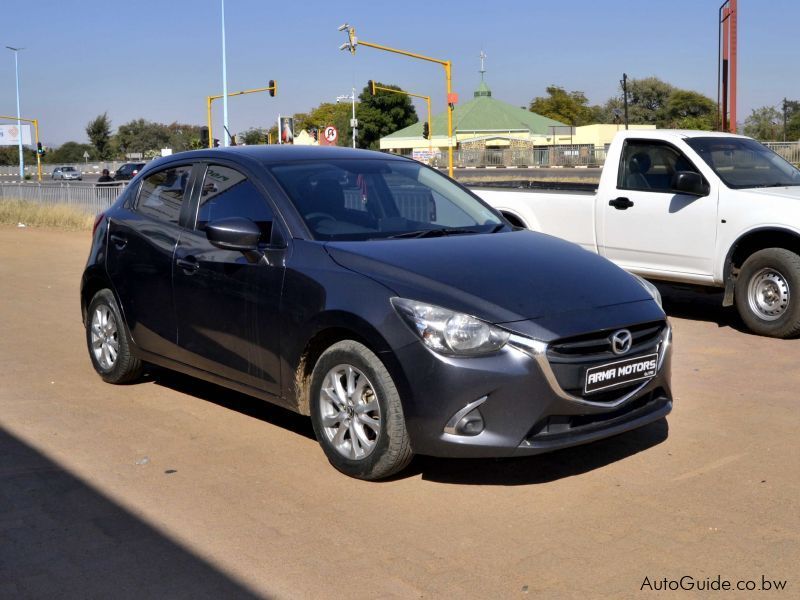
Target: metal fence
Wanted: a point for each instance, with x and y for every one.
(88, 199)
(788, 150)
(47, 168)
(551, 156)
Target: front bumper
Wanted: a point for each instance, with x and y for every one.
(525, 411)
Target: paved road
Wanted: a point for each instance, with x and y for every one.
(173, 488)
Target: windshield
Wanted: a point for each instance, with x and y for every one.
(744, 163)
(360, 199)
(68, 169)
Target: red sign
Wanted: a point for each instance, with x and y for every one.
(329, 136)
(452, 98)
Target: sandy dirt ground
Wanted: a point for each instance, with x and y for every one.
(174, 488)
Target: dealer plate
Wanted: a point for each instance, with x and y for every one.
(620, 372)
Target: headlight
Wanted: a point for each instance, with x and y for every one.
(448, 332)
(651, 289)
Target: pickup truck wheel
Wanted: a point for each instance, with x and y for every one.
(768, 293)
(357, 414)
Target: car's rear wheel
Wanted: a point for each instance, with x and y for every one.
(108, 342)
(768, 293)
(357, 413)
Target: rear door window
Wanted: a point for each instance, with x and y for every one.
(162, 193)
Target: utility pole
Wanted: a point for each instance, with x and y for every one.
(784, 119)
(19, 120)
(225, 138)
(624, 83)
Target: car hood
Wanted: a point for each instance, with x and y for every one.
(500, 278)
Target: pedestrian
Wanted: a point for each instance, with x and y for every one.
(105, 177)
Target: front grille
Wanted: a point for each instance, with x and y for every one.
(570, 358)
(558, 426)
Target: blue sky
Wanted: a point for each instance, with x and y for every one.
(159, 60)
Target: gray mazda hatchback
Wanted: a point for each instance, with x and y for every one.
(377, 296)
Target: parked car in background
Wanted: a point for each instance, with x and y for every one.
(128, 171)
(694, 207)
(379, 297)
(66, 174)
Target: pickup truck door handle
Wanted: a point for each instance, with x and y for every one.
(119, 241)
(621, 203)
(188, 264)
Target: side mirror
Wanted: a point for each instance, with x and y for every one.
(689, 182)
(233, 233)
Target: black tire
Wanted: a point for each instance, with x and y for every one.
(391, 450)
(125, 367)
(778, 272)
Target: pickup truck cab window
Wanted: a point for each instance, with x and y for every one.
(648, 165)
(744, 163)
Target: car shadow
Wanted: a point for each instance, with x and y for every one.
(62, 538)
(699, 304)
(233, 400)
(527, 470)
(542, 468)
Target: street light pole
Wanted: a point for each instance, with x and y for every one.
(225, 138)
(19, 121)
(353, 122)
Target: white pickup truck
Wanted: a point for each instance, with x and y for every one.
(695, 207)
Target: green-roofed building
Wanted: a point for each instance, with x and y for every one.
(483, 122)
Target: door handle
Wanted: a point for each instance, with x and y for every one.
(621, 203)
(189, 265)
(119, 241)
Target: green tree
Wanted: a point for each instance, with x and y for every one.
(689, 110)
(143, 136)
(647, 100)
(571, 108)
(765, 123)
(382, 114)
(70, 152)
(99, 132)
(328, 113)
(253, 136)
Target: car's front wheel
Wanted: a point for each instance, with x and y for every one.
(768, 293)
(108, 342)
(357, 413)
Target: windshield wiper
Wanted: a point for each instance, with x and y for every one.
(425, 233)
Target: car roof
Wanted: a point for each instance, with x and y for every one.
(280, 153)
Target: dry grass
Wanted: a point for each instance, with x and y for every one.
(60, 216)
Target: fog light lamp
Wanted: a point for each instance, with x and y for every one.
(467, 421)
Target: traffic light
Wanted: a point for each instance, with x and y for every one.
(315, 134)
(371, 85)
(426, 131)
(39, 150)
(233, 140)
(273, 88)
(216, 142)
(204, 137)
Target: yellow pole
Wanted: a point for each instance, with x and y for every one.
(208, 119)
(38, 156)
(210, 99)
(35, 123)
(430, 125)
(449, 121)
(354, 41)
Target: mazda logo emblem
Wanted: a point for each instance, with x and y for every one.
(621, 341)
